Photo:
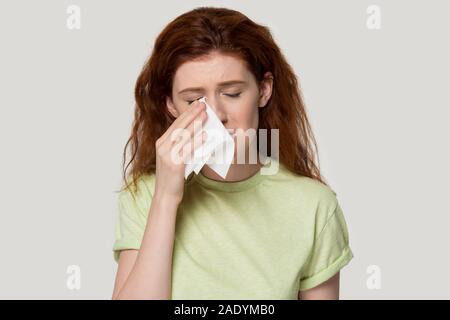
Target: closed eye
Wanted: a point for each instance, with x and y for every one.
(231, 95)
(234, 95)
(191, 101)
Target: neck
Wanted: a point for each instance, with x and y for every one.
(237, 171)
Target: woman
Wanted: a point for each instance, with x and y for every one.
(248, 236)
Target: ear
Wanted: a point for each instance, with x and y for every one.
(266, 87)
(171, 107)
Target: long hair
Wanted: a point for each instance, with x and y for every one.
(195, 34)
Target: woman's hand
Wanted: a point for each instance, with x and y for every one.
(174, 148)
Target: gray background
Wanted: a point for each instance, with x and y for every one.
(376, 98)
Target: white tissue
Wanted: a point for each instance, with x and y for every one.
(218, 149)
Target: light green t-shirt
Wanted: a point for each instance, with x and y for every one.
(266, 237)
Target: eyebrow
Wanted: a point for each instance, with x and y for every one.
(221, 84)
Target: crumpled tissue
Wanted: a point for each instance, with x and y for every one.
(218, 149)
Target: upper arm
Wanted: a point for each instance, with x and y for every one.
(330, 251)
(127, 258)
(328, 290)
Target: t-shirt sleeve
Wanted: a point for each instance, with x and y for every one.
(330, 252)
(131, 221)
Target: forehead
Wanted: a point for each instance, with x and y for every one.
(209, 70)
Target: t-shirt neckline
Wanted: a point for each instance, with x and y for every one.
(232, 186)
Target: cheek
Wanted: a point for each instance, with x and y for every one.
(181, 107)
(244, 117)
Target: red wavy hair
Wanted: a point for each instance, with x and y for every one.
(194, 34)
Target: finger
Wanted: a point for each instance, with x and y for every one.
(192, 145)
(185, 118)
(187, 140)
(191, 115)
(185, 134)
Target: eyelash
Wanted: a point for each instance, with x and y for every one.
(234, 95)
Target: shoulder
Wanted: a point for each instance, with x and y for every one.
(323, 204)
(138, 194)
(313, 200)
(307, 190)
